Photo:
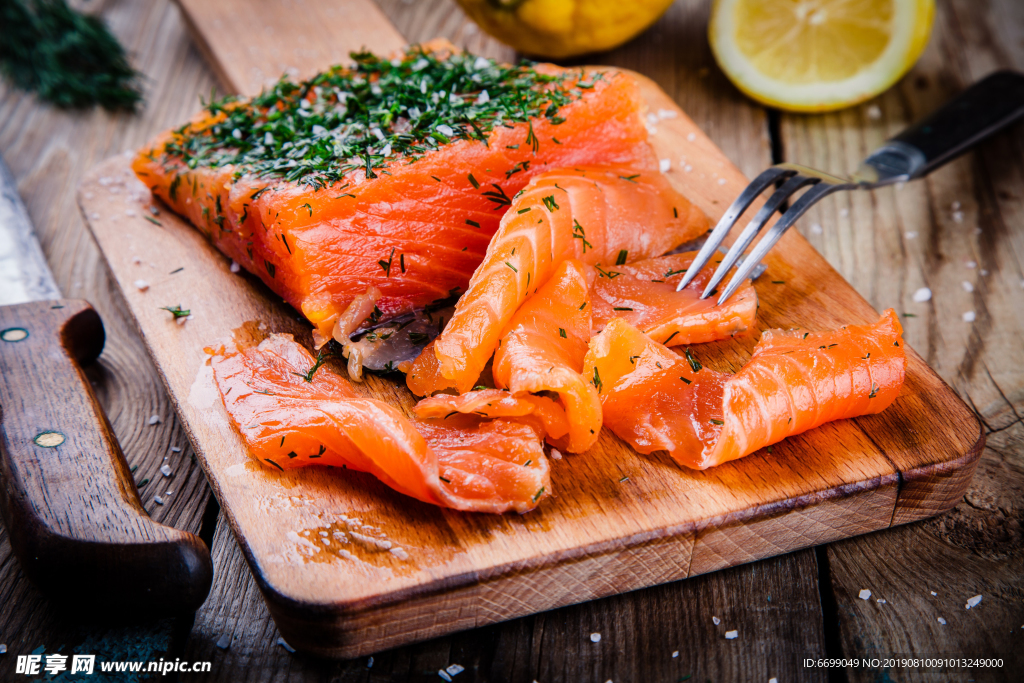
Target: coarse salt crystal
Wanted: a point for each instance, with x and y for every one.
(556, 454)
(880, 601)
(675, 653)
(816, 229)
(175, 449)
(268, 139)
(844, 212)
(483, 98)
(691, 137)
(455, 669)
(942, 621)
(165, 470)
(874, 112)
(170, 493)
(973, 602)
(716, 620)
(445, 130)
(595, 637)
(154, 419)
(773, 680)
(955, 206)
(399, 553)
(971, 264)
(323, 533)
(732, 635)
(958, 216)
(934, 593)
(969, 317)
(3, 648)
(369, 663)
(141, 285)
(910, 234)
(983, 272)
(386, 151)
(130, 213)
(319, 130)
(864, 594)
(652, 118)
(285, 645)
(444, 675)
(968, 287)
(235, 267)
(665, 165)
(137, 261)
(688, 168)
(667, 113)
(721, 181)
(922, 295)
(224, 641)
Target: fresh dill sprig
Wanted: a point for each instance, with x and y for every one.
(363, 116)
(68, 58)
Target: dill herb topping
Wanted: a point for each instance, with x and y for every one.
(362, 116)
(177, 311)
(694, 363)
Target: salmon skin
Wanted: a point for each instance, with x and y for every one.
(292, 412)
(390, 174)
(657, 399)
(600, 215)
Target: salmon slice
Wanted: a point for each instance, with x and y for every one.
(657, 399)
(293, 413)
(542, 350)
(389, 174)
(540, 411)
(644, 295)
(599, 215)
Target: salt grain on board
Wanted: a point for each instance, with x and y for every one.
(934, 593)
(286, 646)
(816, 229)
(235, 267)
(958, 216)
(455, 669)
(968, 287)
(973, 602)
(864, 594)
(971, 264)
(3, 648)
(141, 285)
(675, 653)
(922, 295)
(969, 317)
(158, 500)
(874, 112)
(224, 641)
(444, 675)
(665, 165)
(691, 137)
(369, 663)
(175, 449)
(910, 234)
(773, 680)
(595, 637)
(555, 455)
(716, 620)
(732, 635)
(942, 621)
(154, 419)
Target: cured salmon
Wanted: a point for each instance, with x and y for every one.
(796, 380)
(600, 215)
(542, 412)
(644, 295)
(292, 412)
(387, 176)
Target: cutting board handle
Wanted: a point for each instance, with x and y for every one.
(69, 501)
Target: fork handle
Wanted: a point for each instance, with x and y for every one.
(979, 111)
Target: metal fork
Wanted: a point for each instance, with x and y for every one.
(986, 107)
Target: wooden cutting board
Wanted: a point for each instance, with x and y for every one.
(618, 520)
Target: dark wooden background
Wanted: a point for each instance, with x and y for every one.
(960, 232)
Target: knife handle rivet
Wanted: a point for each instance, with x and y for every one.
(14, 334)
(49, 439)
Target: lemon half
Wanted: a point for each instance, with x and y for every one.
(818, 55)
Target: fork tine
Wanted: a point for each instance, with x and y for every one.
(754, 227)
(774, 234)
(735, 210)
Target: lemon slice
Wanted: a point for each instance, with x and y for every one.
(818, 55)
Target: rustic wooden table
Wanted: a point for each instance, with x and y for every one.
(960, 233)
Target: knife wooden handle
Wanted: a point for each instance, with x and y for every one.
(70, 503)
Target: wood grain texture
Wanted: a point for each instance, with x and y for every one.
(48, 150)
(599, 536)
(70, 502)
(958, 233)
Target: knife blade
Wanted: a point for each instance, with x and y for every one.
(68, 499)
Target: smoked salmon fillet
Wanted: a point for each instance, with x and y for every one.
(644, 294)
(291, 412)
(389, 176)
(601, 215)
(657, 399)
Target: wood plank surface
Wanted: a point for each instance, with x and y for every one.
(959, 233)
(598, 536)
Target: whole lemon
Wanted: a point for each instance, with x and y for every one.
(564, 28)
